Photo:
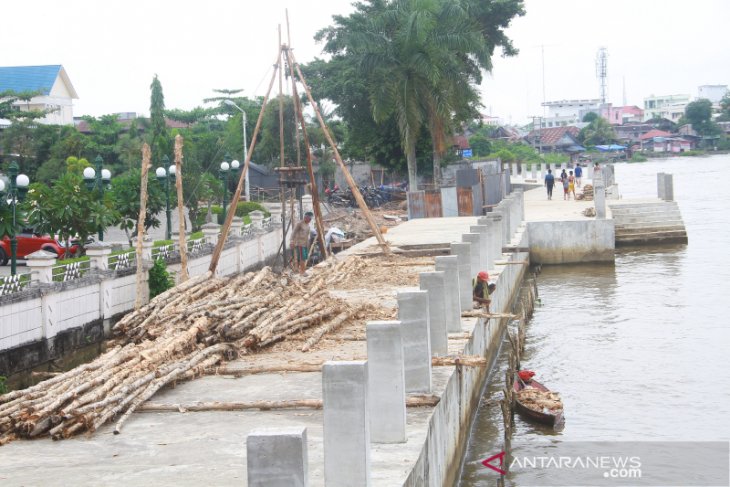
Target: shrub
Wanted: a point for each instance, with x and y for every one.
(242, 209)
(638, 157)
(159, 279)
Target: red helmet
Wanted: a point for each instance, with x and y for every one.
(483, 276)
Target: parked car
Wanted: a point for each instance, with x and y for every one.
(29, 243)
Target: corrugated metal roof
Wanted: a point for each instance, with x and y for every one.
(29, 78)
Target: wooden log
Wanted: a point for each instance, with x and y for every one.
(482, 314)
(422, 400)
(139, 294)
(180, 208)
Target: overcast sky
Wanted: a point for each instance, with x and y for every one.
(111, 49)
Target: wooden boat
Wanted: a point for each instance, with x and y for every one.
(548, 418)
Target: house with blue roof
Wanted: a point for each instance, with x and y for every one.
(52, 81)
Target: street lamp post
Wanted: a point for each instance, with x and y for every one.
(166, 176)
(15, 193)
(225, 169)
(245, 145)
(99, 179)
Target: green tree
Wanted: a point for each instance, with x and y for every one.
(505, 155)
(480, 144)
(160, 141)
(698, 113)
(590, 117)
(724, 108)
(68, 209)
(126, 194)
(598, 132)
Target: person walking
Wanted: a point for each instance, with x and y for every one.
(549, 183)
(566, 186)
(300, 241)
(571, 185)
(578, 174)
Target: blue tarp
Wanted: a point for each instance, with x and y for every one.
(611, 147)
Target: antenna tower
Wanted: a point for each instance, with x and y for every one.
(602, 72)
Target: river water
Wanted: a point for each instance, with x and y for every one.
(639, 350)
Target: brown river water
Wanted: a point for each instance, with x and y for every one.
(639, 350)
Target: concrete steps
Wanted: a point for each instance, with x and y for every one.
(648, 223)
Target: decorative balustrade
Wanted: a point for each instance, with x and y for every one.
(70, 271)
(125, 260)
(14, 284)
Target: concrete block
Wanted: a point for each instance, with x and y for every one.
(449, 264)
(414, 319)
(346, 423)
(599, 198)
(475, 241)
(433, 282)
(386, 382)
(277, 457)
(483, 242)
(463, 251)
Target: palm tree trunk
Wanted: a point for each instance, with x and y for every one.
(436, 169)
(411, 159)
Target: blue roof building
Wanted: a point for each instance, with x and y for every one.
(56, 91)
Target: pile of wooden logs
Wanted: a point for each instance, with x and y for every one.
(587, 193)
(177, 336)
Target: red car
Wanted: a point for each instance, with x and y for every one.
(29, 243)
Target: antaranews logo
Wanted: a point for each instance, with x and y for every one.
(610, 464)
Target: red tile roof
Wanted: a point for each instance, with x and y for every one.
(551, 136)
(461, 142)
(655, 133)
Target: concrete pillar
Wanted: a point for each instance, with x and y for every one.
(41, 265)
(277, 457)
(346, 423)
(475, 241)
(414, 321)
(501, 210)
(599, 198)
(543, 170)
(386, 382)
(211, 231)
(307, 203)
(497, 238)
(589, 172)
(492, 235)
(463, 252)
(520, 197)
(484, 251)
(275, 210)
(533, 167)
(148, 244)
(237, 226)
(449, 265)
(514, 171)
(257, 218)
(99, 253)
(660, 189)
(433, 282)
(669, 187)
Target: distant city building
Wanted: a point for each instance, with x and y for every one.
(490, 120)
(670, 107)
(56, 91)
(563, 113)
(714, 93)
(622, 115)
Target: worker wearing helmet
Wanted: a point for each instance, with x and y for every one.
(482, 289)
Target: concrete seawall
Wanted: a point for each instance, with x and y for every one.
(566, 242)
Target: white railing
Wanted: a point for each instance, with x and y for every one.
(164, 252)
(70, 271)
(195, 245)
(125, 260)
(14, 284)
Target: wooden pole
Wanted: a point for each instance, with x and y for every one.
(351, 182)
(146, 156)
(180, 208)
(308, 152)
(237, 196)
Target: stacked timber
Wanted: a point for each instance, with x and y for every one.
(587, 193)
(177, 336)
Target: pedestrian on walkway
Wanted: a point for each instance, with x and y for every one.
(578, 174)
(549, 183)
(300, 241)
(571, 185)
